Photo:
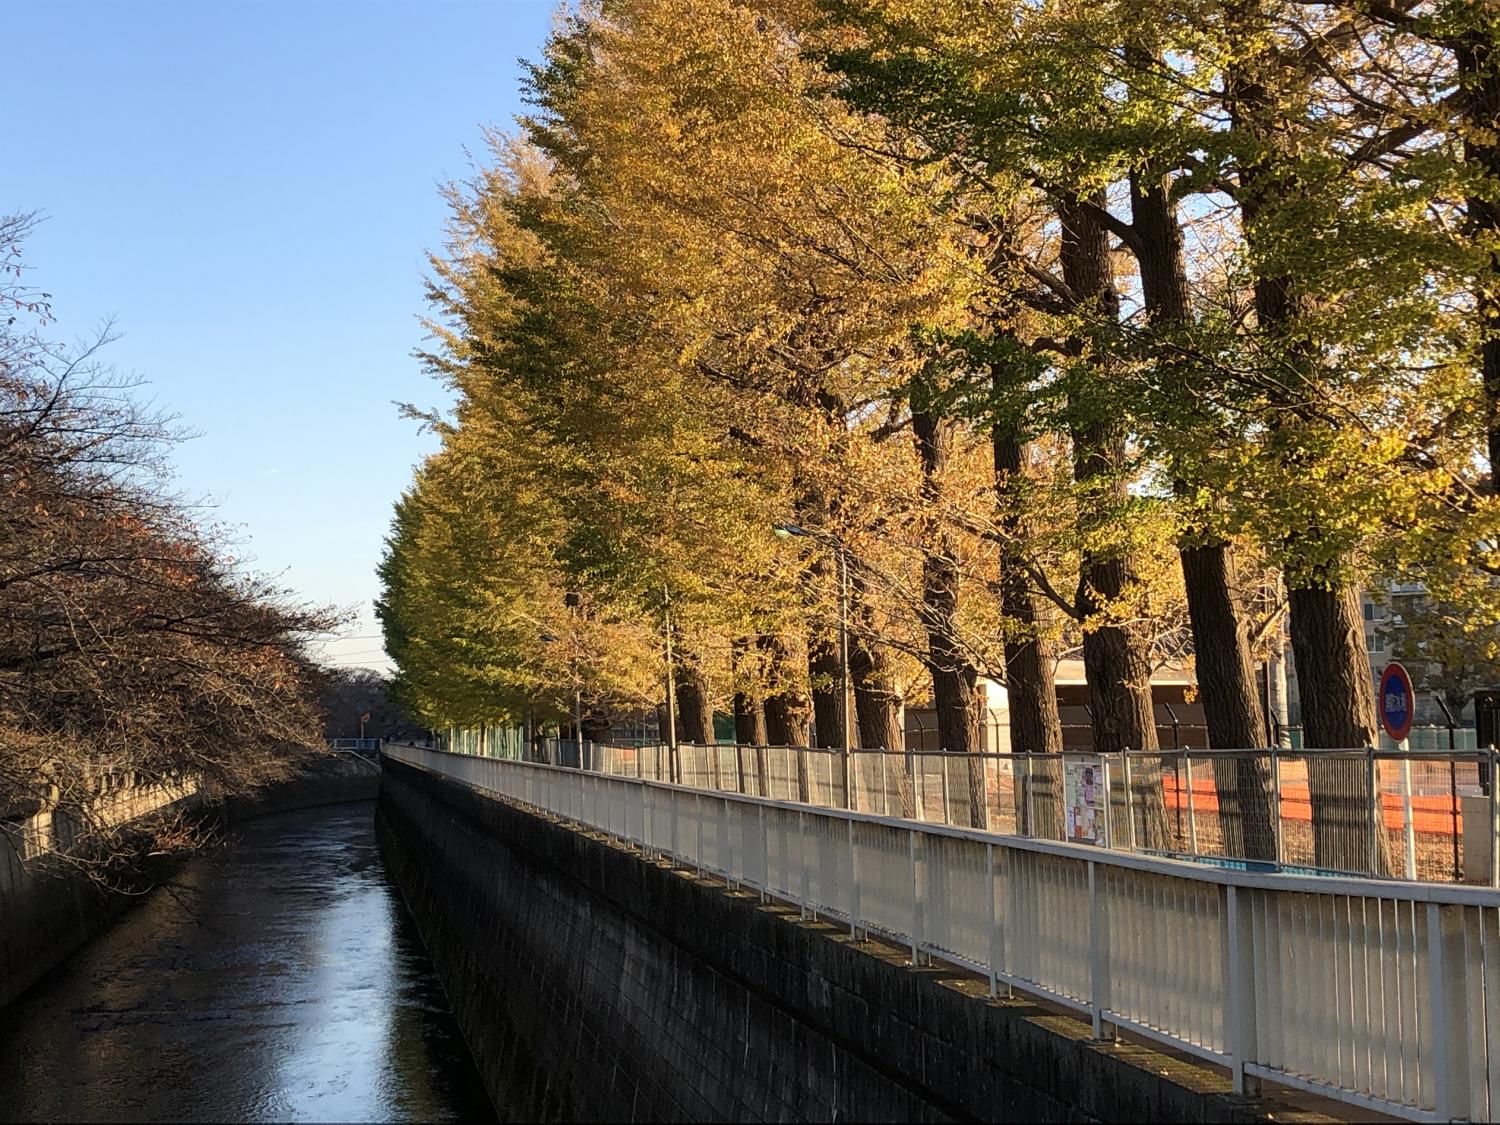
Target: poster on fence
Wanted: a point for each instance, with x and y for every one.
(1084, 792)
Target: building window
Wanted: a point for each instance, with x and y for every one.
(1369, 611)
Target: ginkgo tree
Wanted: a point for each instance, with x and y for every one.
(1054, 323)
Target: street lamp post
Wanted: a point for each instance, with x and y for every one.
(840, 554)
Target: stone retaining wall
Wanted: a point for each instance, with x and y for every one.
(49, 907)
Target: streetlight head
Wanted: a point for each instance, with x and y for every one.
(548, 638)
(788, 530)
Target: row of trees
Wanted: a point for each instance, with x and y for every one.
(130, 642)
(1118, 327)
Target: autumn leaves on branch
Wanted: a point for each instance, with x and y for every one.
(1078, 326)
(131, 645)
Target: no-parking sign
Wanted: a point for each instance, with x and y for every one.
(1398, 703)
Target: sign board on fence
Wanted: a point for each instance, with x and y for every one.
(1085, 791)
(1398, 703)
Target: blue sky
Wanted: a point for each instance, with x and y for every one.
(248, 187)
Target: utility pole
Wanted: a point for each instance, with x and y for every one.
(671, 689)
(840, 554)
(844, 684)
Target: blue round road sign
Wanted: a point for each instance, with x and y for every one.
(1398, 703)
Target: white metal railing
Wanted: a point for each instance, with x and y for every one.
(1380, 994)
(356, 744)
(1440, 820)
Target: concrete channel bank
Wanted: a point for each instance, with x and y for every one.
(49, 907)
(593, 984)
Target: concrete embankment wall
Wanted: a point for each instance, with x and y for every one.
(593, 984)
(328, 781)
(50, 906)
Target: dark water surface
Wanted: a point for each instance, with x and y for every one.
(276, 979)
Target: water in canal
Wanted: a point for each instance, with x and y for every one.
(276, 979)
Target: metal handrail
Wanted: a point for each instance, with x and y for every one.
(1396, 889)
(1431, 850)
(1372, 992)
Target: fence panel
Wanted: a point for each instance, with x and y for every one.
(883, 860)
(960, 901)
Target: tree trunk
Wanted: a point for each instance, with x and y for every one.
(749, 717)
(1328, 640)
(786, 704)
(1030, 651)
(1115, 657)
(1226, 680)
(1221, 644)
(1278, 698)
(1338, 711)
(825, 673)
(954, 677)
(695, 714)
(749, 720)
(1479, 74)
(877, 703)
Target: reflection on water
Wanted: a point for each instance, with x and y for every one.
(277, 979)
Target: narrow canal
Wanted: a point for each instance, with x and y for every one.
(277, 978)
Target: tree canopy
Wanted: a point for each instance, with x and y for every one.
(1065, 326)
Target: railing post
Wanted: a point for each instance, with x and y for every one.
(648, 820)
(1030, 800)
(1099, 997)
(802, 856)
(1177, 784)
(1409, 830)
(1376, 814)
(765, 855)
(1239, 989)
(1192, 815)
(997, 936)
(1489, 755)
(917, 895)
(853, 885)
(732, 869)
(1458, 871)
(1276, 803)
(911, 774)
(1129, 801)
(1450, 1032)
